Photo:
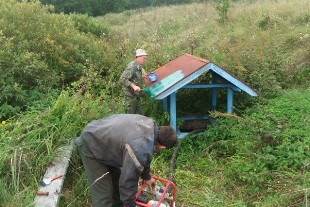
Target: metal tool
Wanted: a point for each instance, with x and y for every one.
(47, 181)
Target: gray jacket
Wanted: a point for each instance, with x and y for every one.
(127, 141)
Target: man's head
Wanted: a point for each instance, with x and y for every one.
(141, 56)
(167, 137)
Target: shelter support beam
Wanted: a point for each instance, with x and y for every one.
(230, 100)
(173, 112)
(214, 93)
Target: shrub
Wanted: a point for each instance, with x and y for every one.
(41, 51)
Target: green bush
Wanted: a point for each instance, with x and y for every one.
(264, 152)
(85, 24)
(41, 51)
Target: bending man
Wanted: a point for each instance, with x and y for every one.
(120, 147)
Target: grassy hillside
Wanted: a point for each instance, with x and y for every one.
(256, 36)
(264, 43)
(258, 156)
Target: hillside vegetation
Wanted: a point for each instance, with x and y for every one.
(102, 7)
(61, 71)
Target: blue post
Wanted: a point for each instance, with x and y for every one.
(230, 100)
(173, 110)
(214, 99)
(214, 93)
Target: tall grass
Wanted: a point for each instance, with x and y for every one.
(261, 41)
(30, 142)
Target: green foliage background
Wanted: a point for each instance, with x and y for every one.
(60, 71)
(102, 7)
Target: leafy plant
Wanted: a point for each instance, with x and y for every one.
(222, 7)
(264, 22)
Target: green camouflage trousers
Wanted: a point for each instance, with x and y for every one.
(133, 105)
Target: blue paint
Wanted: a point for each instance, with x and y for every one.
(165, 83)
(153, 77)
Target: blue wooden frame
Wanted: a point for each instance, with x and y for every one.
(227, 81)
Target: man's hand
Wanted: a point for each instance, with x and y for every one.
(135, 87)
(151, 183)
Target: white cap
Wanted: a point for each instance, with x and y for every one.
(140, 52)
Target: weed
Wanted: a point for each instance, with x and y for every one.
(264, 22)
(222, 7)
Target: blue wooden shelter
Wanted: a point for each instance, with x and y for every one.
(180, 72)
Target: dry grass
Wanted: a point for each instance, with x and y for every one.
(194, 28)
(198, 16)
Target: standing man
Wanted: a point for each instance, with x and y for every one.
(131, 80)
(116, 151)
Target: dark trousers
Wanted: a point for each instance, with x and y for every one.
(104, 190)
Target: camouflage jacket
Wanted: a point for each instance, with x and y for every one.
(132, 74)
